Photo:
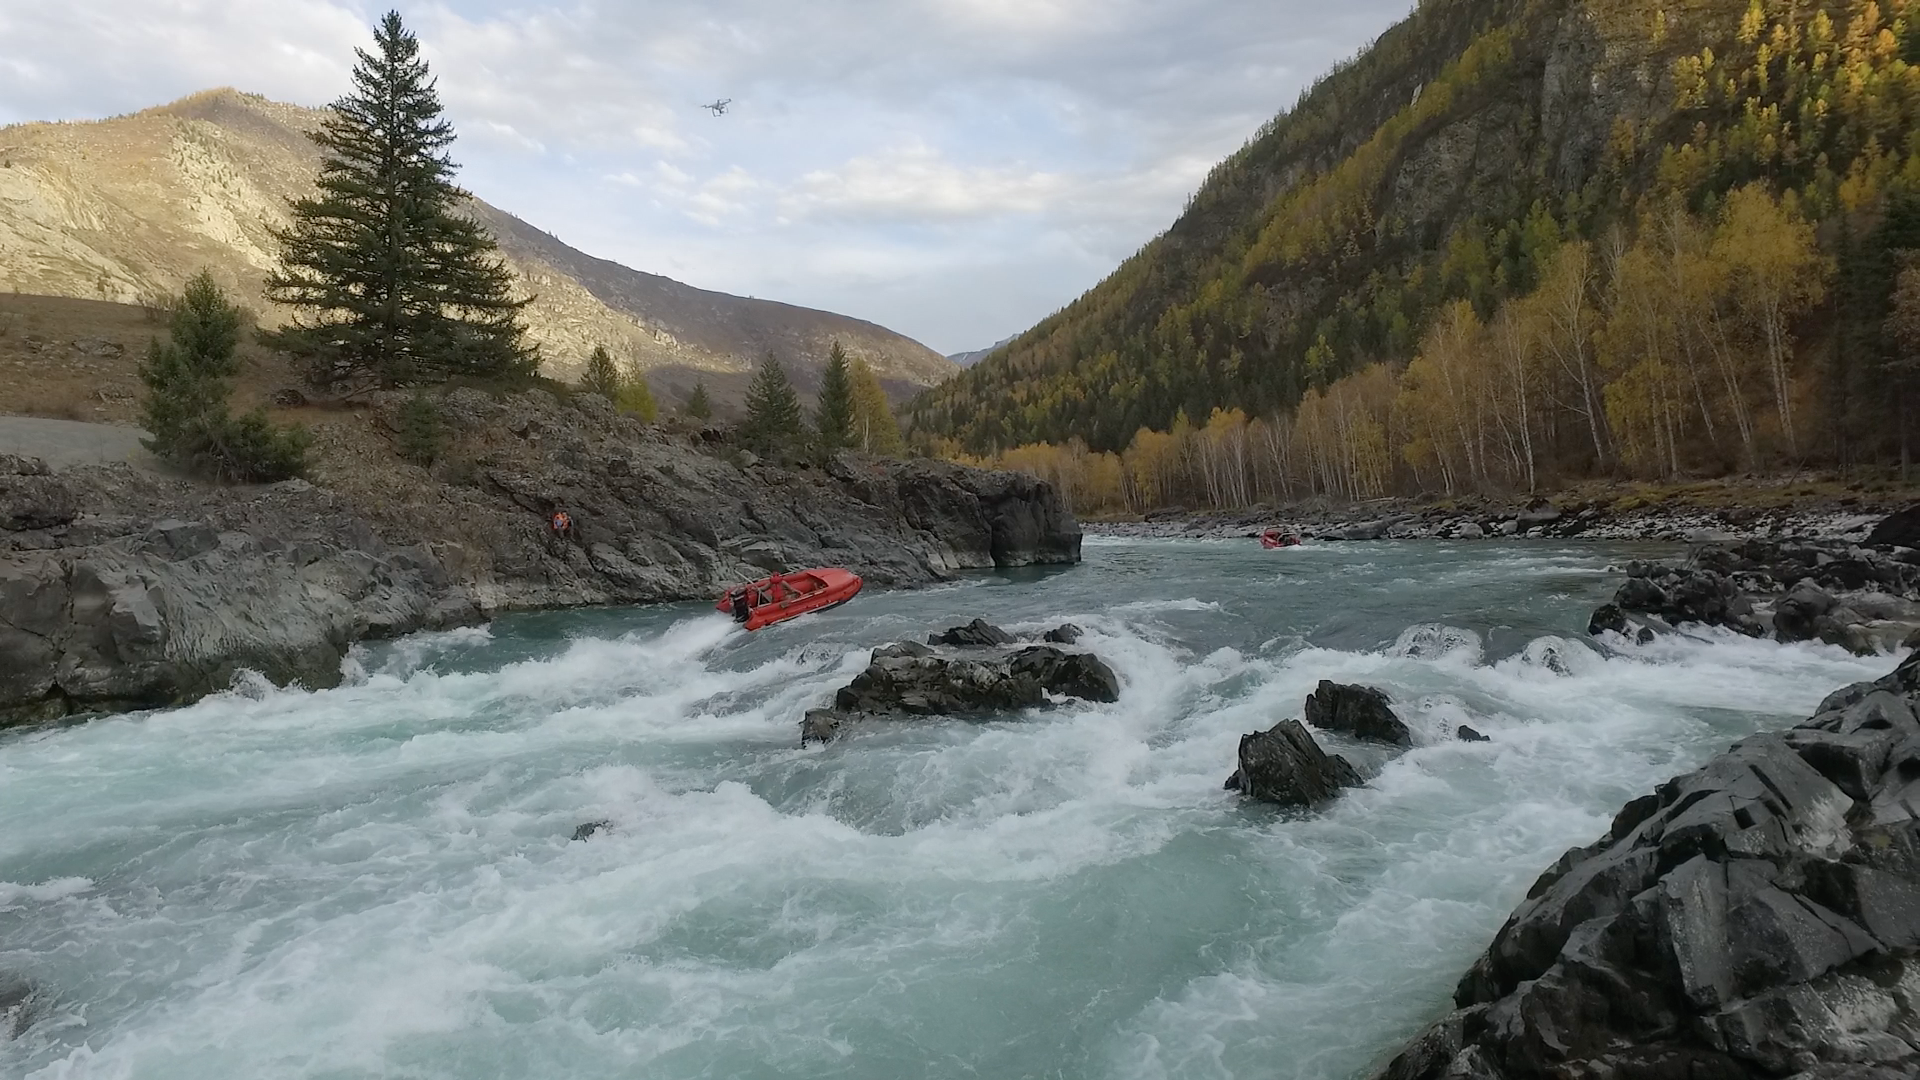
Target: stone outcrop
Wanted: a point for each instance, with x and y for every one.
(124, 590)
(908, 679)
(1360, 711)
(1759, 916)
(1862, 598)
(665, 515)
(1284, 765)
(135, 613)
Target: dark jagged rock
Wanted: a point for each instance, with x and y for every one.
(1467, 734)
(910, 679)
(930, 683)
(1360, 711)
(1898, 529)
(979, 632)
(1759, 916)
(588, 828)
(1064, 634)
(1285, 765)
(1607, 618)
(31, 498)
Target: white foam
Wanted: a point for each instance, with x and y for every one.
(379, 879)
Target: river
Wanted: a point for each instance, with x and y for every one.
(379, 880)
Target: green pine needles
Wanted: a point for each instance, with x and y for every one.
(186, 410)
(833, 421)
(393, 282)
(698, 406)
(774, 426)
(628, 392)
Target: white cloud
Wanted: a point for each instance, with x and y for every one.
(952, 168)
(915, 183)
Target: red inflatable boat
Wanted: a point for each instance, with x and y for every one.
(1274, 538)
(789, 596)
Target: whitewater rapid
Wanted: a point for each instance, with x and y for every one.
(379, 880)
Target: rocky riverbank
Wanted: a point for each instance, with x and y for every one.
(1863, 597)
(1603, 516)
(1759, 916)
(124, 590)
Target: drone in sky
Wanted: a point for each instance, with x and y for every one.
(719, 107)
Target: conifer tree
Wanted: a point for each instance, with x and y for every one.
(833, 421)
(698, 406)
(393, 282)
(601, 375)
(185, 409)
(774, 426)
(636, 398)
(875, 428)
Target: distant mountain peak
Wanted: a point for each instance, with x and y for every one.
(127, 208)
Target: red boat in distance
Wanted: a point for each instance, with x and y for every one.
(1274, 538)
(789, 596)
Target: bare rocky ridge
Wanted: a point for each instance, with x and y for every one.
(121, 589)
(1758, 917)
(126, 209)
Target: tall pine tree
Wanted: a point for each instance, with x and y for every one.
(834, 419)
(774, 426)
(601, 375)
(393, 281)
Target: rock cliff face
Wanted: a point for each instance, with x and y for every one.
(1758, 917)
(123, 590)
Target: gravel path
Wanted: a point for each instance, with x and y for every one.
(70, 442)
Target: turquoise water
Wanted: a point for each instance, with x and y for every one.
(378, 880)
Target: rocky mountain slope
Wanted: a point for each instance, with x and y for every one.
(126, 209)
(1446, 162)
(122, 590)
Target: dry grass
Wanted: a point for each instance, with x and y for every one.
(80, 360)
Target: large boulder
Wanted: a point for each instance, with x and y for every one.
(1759, 916)
(1898, 529)
(1796, 616)
(910, 679)
(1284, 765)
(1360, 711)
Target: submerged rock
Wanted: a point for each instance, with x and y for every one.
(17, 999)
(1759, 916)
(1285, 765)
(1360, 711)
(588, 828)
(1467, 734)
(1064, 634)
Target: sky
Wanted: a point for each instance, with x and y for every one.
(952, 169)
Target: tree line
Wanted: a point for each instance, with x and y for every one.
(1661, 352)
(1722, 290)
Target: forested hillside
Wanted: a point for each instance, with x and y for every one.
(1508, 245)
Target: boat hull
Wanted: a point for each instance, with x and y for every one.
(782, 597)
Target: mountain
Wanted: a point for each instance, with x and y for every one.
(968, 359)
(1469, 151)
(127, 208)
